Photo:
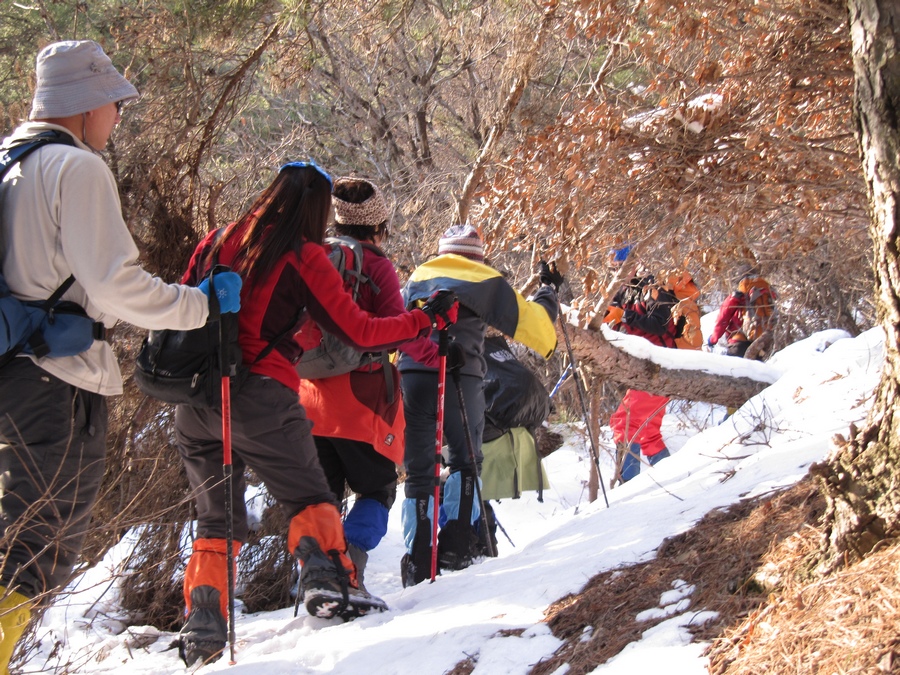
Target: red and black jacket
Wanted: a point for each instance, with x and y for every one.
(300, 287)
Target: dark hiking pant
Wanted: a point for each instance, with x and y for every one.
(420, 409)
(52, 459)
(368, 473)
(271, 434)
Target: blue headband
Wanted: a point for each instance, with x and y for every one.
(308, 165)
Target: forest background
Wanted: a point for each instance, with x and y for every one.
(707, 134)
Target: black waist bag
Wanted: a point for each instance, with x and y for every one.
(184, 366)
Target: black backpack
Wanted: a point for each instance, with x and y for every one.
(187, 366)
(184, 366)
(48, 327)
(513, 395)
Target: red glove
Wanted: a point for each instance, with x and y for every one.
(442, 309)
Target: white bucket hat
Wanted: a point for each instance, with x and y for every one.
(74, 77)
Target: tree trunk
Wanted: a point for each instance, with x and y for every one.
(860, 478)
(593, 427)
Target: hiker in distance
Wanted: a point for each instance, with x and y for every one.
(276, 246)
(357, 416)
(747, 317)
(485, 299)
(61, 218)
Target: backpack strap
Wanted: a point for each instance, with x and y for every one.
(356, 248)
(274, 342)
(36, 339)
(388, 376)
(20, 150)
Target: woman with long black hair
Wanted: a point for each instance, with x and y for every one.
(288, 280)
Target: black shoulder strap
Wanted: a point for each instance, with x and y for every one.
(20, 150)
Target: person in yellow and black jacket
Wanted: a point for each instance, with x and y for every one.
(485, 299)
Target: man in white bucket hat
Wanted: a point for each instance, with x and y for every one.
(60, 217)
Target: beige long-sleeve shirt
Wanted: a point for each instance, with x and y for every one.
(59, 215)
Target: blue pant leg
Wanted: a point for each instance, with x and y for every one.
(631, 466)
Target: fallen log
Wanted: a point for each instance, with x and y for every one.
(682, 374)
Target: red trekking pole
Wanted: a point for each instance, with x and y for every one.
(227, 368)
(443, 341)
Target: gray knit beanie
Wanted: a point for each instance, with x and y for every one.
(462, 240)
(74, 77)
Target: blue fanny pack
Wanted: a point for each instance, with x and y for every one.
(49, 328)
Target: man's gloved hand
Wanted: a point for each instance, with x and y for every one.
(442, 308)
(629, 316)
(456, 356)
(550, 275)
(228, 290)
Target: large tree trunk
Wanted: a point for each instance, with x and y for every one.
(860, 479)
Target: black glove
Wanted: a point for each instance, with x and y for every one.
(442, 308)
(456, 356)
(629, 316)
(550, 275)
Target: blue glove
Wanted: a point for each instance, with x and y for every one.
(228, 290)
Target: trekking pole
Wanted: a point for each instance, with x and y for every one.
(227, 369)
(443, 341)
(587, 422)
(459, 360)
(503, 530)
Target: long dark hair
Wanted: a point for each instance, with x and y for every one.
(290, 212)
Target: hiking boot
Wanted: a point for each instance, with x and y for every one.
(327, 599)
(457, 545)
(202, 638)
(415, 569)
(359, 558)
(325, 586)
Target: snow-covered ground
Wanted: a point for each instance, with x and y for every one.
(820, 386)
